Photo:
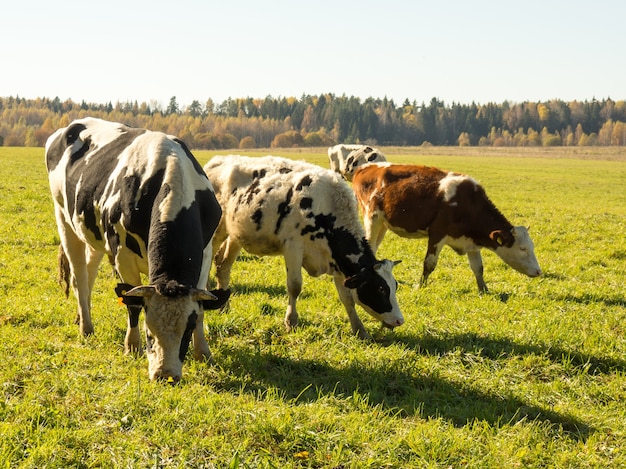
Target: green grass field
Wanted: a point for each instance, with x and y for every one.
(532, 374)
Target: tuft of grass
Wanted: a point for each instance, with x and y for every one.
(531, 374)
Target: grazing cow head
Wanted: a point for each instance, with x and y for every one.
(345, 159)
(517, 249)
(374, 288)
(360, 157)
(171, 312)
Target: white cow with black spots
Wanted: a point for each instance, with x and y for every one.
(309, 215)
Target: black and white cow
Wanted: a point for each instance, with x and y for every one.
(309, 215)
(345, 159)
(141, 198)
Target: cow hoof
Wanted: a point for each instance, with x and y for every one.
(204, 357)
(291, 322)
(291, 326)
(363, 335)
(133, 351)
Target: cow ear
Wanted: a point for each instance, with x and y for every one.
(122, 290)
(498, 237)
(142, 291)
(355, 281)
(351, 282)
(201, 295)
(221, 297)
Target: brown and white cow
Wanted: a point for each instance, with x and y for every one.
(141, 198)
(309, 215)
(344, 159)
(448, 208)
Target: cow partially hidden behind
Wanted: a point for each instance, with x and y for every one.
(447, 208)
(141, 198)
(276, 206)
(345, 159)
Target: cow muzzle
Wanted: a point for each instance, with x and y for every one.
(393, 323)
(166, 377)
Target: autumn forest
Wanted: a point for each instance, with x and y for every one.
(327, 119)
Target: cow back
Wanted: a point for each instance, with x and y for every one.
(132, 189)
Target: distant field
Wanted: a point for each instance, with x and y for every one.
(532, 374)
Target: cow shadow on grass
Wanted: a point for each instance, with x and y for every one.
(616, 299)
(501, 348)
(398, 387)
(245, 288)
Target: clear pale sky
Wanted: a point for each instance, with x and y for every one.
(456, 50)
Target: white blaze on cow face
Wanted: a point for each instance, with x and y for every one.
(169, 325)
(521, 254)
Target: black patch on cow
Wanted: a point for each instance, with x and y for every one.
(256, 174)
(373, 291)
(94, 174)
(57, 147)
(133, 314)
(283, 210)
(82, 151)
(186, 339)
(306, 181)
(122, 288)
(372, 157)
(285, 170)
(134, 303)
(136, 202)
(349, 161)
(72, 133)
(210, 214)
(197, 166)
(248, 195)
(133, 245)
(91, 222)
(342, 244)
(257, 218)
(175, 250)
(306, 203)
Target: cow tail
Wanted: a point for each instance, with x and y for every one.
(64, 271)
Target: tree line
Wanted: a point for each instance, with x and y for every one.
(328, 119)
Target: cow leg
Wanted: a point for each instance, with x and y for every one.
(129, 273)
(431, 259)
(348, 302)
(375, 229)
(293, 265)
(76, 253)
(225, 256)
(476, 264)
(201, 349)
(93, 262)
